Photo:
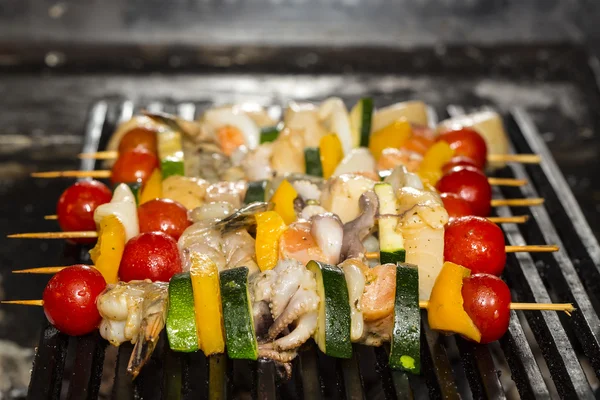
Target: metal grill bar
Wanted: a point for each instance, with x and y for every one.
(193, 376)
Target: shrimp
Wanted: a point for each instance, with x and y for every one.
(135, 311)
(417, 144)
(230, 138)
(391, 158)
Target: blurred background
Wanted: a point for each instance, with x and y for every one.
(59, 58)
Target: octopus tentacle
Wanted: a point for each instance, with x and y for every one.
(302, 302)
(287, 283)
(267, 351)
(307, 324)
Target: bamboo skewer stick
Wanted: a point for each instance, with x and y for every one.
(507, 182)
(40, 270)
(520, 158)
(72, 174)
(519, 219)
(107, 173)
(544, 248)
(50, 217)
(55, 235)
(517, 202)
(565, 307)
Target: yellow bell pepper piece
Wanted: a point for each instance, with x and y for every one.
(393, 135)
(283, 198)
(332, 153)
(269, 228)
(207, 303)
(108, 251)
(153, 188)
(430, 170)
(445, 310)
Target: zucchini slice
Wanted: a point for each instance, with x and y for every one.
(333, 327)
(405, 353)
(269, 134)
(255, 192)
(240, 337)
(360, 121)
(391, 242)
(312, 160)
(170, 153)
(181, 320)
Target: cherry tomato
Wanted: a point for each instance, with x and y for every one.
(470, 184)
(136, 138)
(133, 166)
(70, 299)
(163, 215)
(486, 299)
(455, 205)
(76, 206)
(458, 161)
(467, 142)
(150, 255)
(475, 243)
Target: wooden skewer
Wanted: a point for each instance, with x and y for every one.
(72, 174)
(51, 217)
(507, 182)
(100, 155)
(517, 202)
(107, 173)
(24, 302)
(40, 270)
(509, 249)
(566, 307)
(519, 219)
(544, 248)
(55, 235)
(520, 158)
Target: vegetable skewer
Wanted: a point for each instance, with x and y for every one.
(98, 174)
(424, 304)
(519, 158)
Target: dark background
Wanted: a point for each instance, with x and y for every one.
(58, 58)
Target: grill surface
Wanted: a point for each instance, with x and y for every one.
(86, 368)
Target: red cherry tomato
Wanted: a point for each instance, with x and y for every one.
(163, 215)
(133, 166)
(151, 255)
(76, 206)
(136, 138)
(475, 243)
(456, 206)
(486, 299)
(470, 184)
(458, 161)
(70, 299)
(467, 142)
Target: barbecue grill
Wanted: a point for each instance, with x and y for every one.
(543, 355)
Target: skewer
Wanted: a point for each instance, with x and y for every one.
(72, 174)
(565, 307)
(55, 235)
(520, 158)
(517, 202)
(40, 270)
(93, 234)
(544, 248)
(107, 173)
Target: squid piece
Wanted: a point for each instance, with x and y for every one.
(341, 195)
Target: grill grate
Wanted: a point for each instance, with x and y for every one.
(86, 367)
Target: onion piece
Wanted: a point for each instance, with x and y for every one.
(122, 206)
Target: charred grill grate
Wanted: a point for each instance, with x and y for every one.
(569, 365)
